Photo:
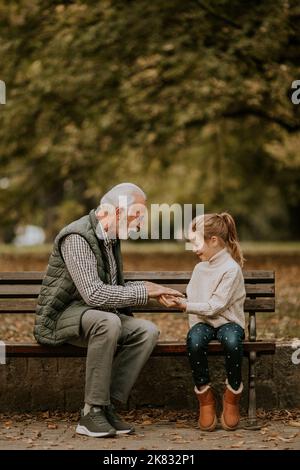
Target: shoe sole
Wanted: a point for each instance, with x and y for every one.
(84, 431)
(224, 425)
(212, 427)
(126, 431)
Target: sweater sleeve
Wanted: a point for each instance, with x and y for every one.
(220, 298)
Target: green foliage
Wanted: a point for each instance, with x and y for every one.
(188, 99)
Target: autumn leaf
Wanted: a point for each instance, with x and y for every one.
(52, 426)
(295, 424)
(237, 445)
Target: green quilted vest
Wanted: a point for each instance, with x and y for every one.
(60, 306)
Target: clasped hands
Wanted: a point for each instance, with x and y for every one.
(165, 295)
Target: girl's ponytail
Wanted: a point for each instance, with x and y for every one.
(232, 241)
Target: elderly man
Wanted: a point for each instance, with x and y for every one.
(84, 301)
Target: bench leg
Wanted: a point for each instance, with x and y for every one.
(252, 419)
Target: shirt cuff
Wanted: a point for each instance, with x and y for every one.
(196, 308)
(141, 293)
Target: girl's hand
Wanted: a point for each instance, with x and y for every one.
(172, 301)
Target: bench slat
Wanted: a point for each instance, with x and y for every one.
(19, 290)
(28, 306)
(251, 305)
(36, 277)
(161, 349)
(33, 290)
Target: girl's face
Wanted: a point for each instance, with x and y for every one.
(205, 248)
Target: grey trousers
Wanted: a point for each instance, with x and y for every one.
(112, 374)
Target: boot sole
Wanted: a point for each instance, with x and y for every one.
(227, 428)
(211, 427)
(85, 431)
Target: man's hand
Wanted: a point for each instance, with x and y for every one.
(156, 290)
(172, 301)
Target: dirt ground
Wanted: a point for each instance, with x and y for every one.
(155, 429)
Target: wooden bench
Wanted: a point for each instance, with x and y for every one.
(19, 290)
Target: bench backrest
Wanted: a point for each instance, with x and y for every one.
(19, 291)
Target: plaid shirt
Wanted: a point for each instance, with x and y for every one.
(82, 266)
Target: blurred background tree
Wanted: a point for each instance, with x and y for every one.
(191, 100)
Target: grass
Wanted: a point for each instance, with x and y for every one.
(249, 247)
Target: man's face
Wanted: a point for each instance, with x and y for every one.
(131, 218)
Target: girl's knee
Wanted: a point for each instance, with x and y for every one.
(232, 338)
(196, 343)
(232, 342)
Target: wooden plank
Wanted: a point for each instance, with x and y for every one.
(260, 305)
(257, 276)
(19, 290)
(22, 277)
(17, 306)
(251, 305)
(260, 290)
(28, 306)
(32, 290)
(36, 277)
(161, 349)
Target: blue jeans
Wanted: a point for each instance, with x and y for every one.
(231, 336)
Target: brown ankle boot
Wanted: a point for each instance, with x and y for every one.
(207, 413)
(231, 408)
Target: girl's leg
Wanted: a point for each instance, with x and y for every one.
(197, 343)
(231, 337)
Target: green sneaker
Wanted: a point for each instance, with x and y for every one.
(95, 424)
(115, 420)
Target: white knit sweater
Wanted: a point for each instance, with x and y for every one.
(216, 292)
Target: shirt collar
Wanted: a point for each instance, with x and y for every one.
(103, 235)
(219, 257)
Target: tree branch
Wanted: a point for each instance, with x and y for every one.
(223, 18)
(246, 111)
(290, 126)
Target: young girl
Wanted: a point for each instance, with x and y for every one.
(215, 300)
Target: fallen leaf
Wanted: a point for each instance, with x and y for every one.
(284, 439)
(52, 426)
(295, 424)
(237, 445)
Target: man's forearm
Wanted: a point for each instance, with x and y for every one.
(82, 266)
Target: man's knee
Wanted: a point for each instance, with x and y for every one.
(149, 330)
(108, 325)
